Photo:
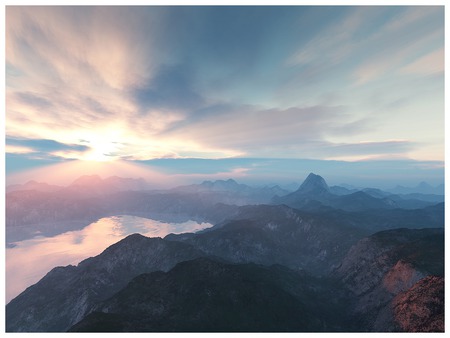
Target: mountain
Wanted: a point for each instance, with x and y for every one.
(66, 294)
(361, 200)
(277, 234)
(404, 201)
(74, 207)
(353, 288)
(313, 184)
(94, 184)
(231, 192)
(33, 185)
(90, 198)
(421, 308)
(351, 262)
(421, 188)
(315, 190)
(205, 295)
(380, 267)
(219, 185)
(339, 190)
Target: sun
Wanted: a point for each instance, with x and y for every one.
(101, 151)
(102, 148)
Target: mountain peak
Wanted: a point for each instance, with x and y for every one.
(87, 180)
(314, 183)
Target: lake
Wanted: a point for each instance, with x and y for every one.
(29, 260)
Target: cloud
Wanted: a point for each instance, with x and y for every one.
(335, 42)
(294, 132)
(431, 63)
(403, 37)
(369, 148)
(45, 145)
(170, 88)
(369, 41)
(170, 82)
(39, 148)
(33, 100)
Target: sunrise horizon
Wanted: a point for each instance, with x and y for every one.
(90, 84)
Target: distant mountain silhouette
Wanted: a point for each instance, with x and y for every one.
(313, 184)
(231, 192)
(421, 188)
(33, 185)
(315, 189)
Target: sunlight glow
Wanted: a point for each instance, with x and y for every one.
(102, 151)
(104, 144)
(66, 172)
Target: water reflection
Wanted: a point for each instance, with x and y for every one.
(29, 260)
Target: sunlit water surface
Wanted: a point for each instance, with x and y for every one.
(29, 260)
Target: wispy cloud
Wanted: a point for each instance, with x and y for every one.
(167, 82)
(431, 63)
(403, 38)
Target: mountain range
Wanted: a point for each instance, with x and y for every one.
(50, 210)
(311, 260)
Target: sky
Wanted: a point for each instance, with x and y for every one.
(253, 93)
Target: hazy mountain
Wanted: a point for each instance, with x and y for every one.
(231, 192)
(90, 197)
(340, 190)
(404, 201)
(94, 184)
(421, 188)
(315, 193)
(66, 294)
(33, 185)
(85, 201)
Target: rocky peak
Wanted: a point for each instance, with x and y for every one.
(313, 184)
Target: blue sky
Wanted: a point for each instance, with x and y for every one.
(352, 88)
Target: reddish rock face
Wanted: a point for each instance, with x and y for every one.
(421, 308)
(401, 277)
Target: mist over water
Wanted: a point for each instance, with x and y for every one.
(29, 260)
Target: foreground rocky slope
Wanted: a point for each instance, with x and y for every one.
(380, 267)
(206, 295)
(421, 308)
(66, 294)
(380, 275)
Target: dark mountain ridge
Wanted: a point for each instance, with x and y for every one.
(66, 294)
(234, 298)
